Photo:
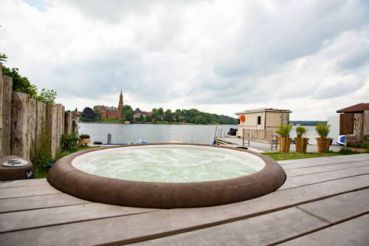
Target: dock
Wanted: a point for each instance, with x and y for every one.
(263, 146)
(325, 201)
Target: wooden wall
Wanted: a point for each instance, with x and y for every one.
(347, 123)
(28, 126)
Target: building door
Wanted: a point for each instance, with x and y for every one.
(346, 123)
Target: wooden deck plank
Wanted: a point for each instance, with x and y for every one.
(321, 161)
(62, 215)
(331, 210)
(340, 207)
(167, 222)
(34, 190)
(22, 183)
(352, 232)
(327, 168)
(37, 202)
(260, 230)
(301, 180)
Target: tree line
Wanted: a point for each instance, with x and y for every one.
(161, 116)
(22, 84)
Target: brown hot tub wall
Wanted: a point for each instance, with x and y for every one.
(68, 179)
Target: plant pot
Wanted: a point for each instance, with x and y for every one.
(323, 144)
(84, 141)
(301, 144)
(284, 144)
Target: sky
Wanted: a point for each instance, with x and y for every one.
(218, 56)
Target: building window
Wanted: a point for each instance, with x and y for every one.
(259, 120)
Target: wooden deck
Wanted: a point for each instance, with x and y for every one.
(325, 201)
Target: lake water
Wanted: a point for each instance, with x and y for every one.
(152, 133)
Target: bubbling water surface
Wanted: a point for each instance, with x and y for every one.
(169, 163)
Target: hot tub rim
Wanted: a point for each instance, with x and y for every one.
(69, 179)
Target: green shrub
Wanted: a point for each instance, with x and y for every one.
(300, 130)
(344, 151)
(41, 160)
(322, 130)
(69, 142)
(284, 130)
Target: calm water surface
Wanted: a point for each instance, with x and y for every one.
(203, 134)
(152, 133)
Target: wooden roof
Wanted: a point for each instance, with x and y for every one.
(264, 110)
(360, 107)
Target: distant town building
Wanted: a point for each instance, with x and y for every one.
(110, 112)
(138, 113)
(262, 123)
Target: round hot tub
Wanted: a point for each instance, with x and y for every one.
(166, 175)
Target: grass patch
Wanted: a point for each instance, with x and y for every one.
(41, 170)
(279, 156)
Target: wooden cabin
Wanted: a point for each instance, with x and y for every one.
(261, 124)
(354, 120)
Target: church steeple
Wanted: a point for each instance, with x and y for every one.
(120, 105)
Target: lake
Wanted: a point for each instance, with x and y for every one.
(153, 133)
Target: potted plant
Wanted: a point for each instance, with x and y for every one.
(84, 139)
(301, 142)
(323, 142)
(284, 139)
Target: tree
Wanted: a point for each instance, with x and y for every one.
(88, 114)
(127, 113)
(200, 119)
(141, 118)
(20, 84)
(46, 96)
(148, 118)
(168, 115)
(177, 115)
(160, 114)
(3, 57)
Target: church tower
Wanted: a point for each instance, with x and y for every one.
(120, 105)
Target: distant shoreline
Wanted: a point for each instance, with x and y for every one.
(151, 123)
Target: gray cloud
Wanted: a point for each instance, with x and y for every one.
(193, 52)
(338, 89)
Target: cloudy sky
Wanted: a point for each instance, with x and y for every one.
(218, 56)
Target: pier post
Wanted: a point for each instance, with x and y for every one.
(109, 138)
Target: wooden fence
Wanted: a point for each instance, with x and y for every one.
(29, 127)
(254, 134)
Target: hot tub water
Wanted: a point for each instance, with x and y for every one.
(169, 163)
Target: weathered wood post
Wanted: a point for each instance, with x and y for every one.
(6, 114)
(31, 128)
(68, 122)
(41, 134)
(51, 128)
(55, 126)
(60, 125)
(109, 138)
(1, 110)
(19, 138)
